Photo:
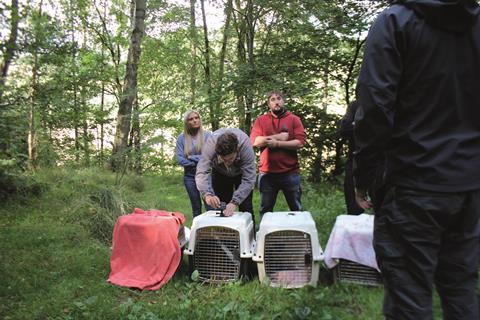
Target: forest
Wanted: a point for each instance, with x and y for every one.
(105, 83)
(92, 95)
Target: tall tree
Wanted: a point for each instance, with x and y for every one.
(208, 79)
(193, 50)
(251, 17)
(239, 88)
(129, 89)
(221, 59)
(10, 46)
(102, 94)
(32, 127)
(135, 139)
(84, 106)
(248, 15)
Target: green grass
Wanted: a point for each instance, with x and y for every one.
(55, 251)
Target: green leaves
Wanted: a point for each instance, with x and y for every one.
(310, 49)
(195, 275)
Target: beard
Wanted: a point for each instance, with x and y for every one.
(280, 111)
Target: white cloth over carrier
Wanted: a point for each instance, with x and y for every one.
(351, 239)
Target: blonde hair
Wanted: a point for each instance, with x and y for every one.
(187, 134)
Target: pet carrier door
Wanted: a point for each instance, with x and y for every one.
(288, 251)
(220, 246)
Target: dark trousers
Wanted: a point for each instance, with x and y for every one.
(423, 238)
(349, 190)
(271, 183)
(224, 187)
(192, 191)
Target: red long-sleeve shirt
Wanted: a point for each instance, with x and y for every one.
(278, 160)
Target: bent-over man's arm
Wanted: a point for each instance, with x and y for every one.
(204, 168)
(249, 173)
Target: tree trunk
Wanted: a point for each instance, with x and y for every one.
(350, 76)
(113, 50)
(32, 139)
(326, 83)
(75, 106)
(193, 51)
(245, 25)
(102, 129)
(86, 147)
(135, 139)
(250, 35)
(241, 60)
(221, 61)
(208, 80)
(102, 94)
(10, 46)
(84, 111)
(129, 89)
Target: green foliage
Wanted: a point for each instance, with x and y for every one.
(319, 153)
(16, 185)
(135, 183)
(105, 208)
(135, 311)
(309, 49)
(53, 266)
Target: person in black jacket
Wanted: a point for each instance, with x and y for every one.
(418, 129)
(346, 132)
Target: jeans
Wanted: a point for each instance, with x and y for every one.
(191, 187)
(269, 185)
(423, 238)
(224, 186)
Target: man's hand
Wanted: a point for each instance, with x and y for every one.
(282, 136)
(229, 209)
(362, 199)
(271, 143)
(212, 201)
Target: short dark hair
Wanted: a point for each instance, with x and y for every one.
(271, 93)
(227, 144)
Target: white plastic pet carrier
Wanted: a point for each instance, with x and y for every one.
(352, 272)
(221, 247)
(349, 251)
(288, 253)
(183, 236)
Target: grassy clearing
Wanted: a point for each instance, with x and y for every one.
(55, 251)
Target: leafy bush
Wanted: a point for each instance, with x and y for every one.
(108, 206)
(134, 183)
(19, 185)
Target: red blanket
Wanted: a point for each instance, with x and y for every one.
(145, 251)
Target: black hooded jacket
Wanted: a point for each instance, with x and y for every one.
(419, 94)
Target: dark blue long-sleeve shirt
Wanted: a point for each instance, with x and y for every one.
(193, 159)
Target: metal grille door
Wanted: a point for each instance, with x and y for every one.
(288, 257)
(349, 271)
(217, 254)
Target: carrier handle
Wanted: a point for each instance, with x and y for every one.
(222, 207)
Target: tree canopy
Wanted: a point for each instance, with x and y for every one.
(69, 67)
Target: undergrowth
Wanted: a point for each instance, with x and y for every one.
(55, 251)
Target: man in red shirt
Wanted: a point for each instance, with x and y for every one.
(279, 134)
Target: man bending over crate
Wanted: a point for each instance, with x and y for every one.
(226, 171)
